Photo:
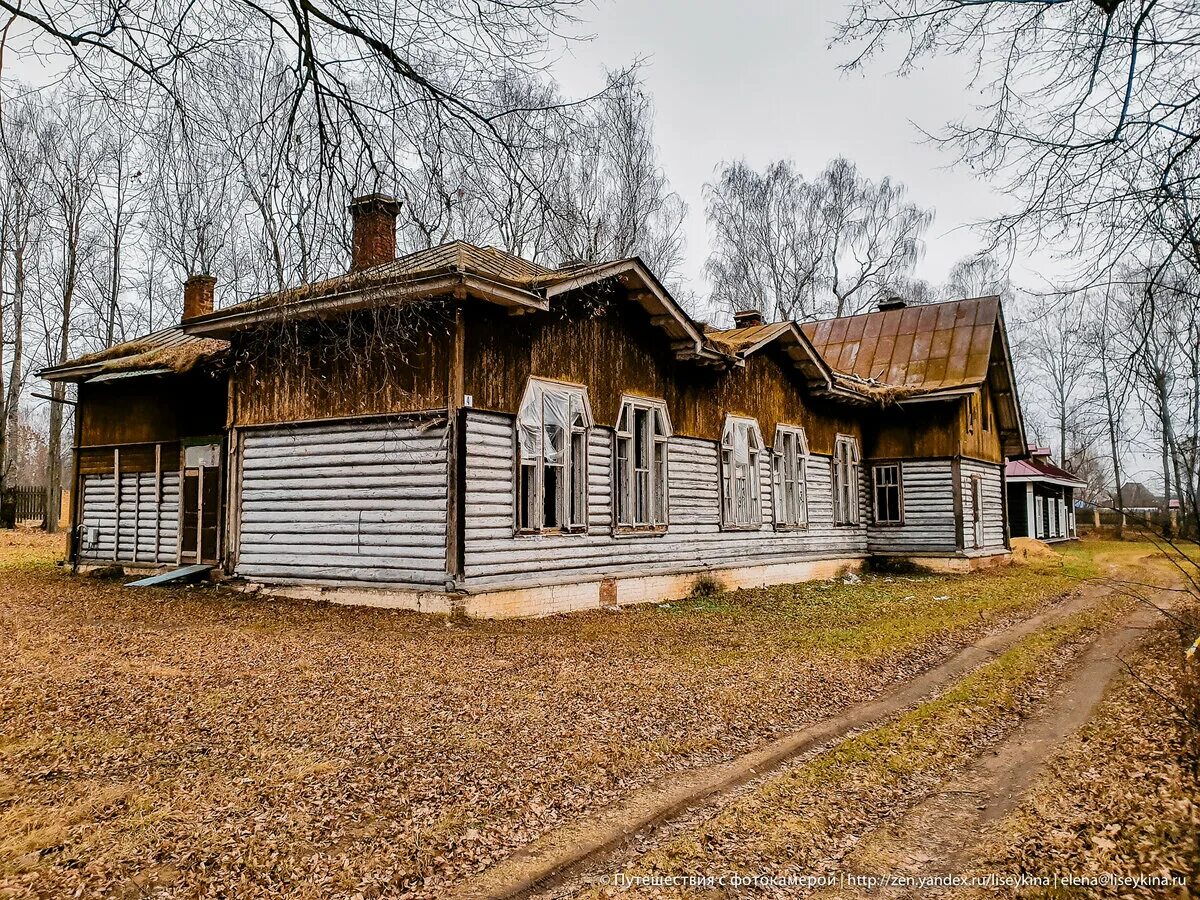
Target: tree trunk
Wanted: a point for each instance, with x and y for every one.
(12, 398)
(58, 392)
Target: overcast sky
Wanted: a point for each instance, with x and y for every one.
(756, 80)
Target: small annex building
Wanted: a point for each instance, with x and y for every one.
(1041, 497)
(463, 429)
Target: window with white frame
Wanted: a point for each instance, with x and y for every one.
(789, 470)
(741, 449)
(552, 440)
(845, 480)
(887, 490)
(643, 428)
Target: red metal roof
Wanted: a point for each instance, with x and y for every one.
(1038, 467)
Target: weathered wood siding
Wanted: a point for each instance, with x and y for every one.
(151, 409)
(993, 503)
(358, 502)
(369, 364)
(612, 348)
(927, 503)
(495, 557)
(144, 525)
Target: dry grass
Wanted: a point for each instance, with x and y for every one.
(203, 744)
(1121, 796)
(803, 820)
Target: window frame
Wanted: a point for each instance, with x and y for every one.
(977, 527)
(785, 434)
(657, 468)
(898, 485)
(573, 470)
(853, 466)
(728, 476)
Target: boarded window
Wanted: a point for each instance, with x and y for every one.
(977, 509)
(741, 446)
(643, 430)
(552, 440)
(790, 471)
(886, 480)
(845, 480)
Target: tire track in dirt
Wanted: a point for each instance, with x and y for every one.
(940, 835)
(560, 856)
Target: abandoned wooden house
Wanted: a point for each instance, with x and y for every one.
(1041, 497)
(460, 428)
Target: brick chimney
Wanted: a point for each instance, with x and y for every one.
(198, 296)
(374, 239)
(747, 318)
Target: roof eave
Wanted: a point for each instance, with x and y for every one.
(225, 323)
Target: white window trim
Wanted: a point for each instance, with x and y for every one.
(846, 517)
(730, 521)
(577, 488)
(899, 520)
(779, 481)
(657, 473)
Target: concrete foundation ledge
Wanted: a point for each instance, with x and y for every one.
(548, 600)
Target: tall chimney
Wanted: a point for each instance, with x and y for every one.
(198, 296)
(747, 318)
(374, 239)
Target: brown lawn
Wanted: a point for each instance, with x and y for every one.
(197, 742)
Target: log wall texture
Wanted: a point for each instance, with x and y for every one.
(357, 502)
(496, 557)
(144, 524)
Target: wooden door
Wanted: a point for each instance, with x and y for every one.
(200, 509)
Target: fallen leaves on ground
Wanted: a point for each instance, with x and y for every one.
(200, 743)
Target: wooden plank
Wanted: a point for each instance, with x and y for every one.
(176, 576)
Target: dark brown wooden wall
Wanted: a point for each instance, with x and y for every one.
(357, 373)
(151, 409)
(614, 349)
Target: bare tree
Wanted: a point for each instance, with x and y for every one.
(799, 250)
(72, 173)
(21, 162)
(766, 247)
(1051, 332)
(1088, 110)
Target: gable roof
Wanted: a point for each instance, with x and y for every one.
(460, 269)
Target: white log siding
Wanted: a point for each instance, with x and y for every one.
(144, 526)
(927, 508)
(496, 558)
(993, 514)
(351, 503)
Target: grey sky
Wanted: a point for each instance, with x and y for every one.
(756, 80)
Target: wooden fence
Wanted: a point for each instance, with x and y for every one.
(22, 504)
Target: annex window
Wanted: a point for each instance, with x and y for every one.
(643, 428)
(741, 495)
(886, 481)
(977, 509)
(552, 440)
(789, 470)
(845, 480)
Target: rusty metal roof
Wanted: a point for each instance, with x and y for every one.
(937, 346)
